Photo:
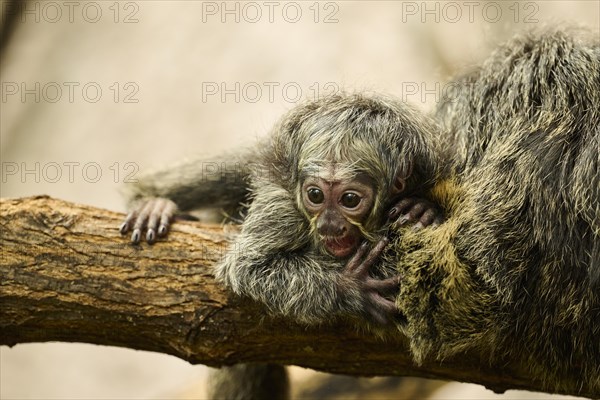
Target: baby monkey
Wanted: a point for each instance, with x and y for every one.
(323, 189)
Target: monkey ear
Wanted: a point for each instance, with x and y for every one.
(399, 185)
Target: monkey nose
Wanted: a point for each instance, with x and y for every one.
(332, 230)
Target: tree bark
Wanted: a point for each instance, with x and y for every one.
(68, 275)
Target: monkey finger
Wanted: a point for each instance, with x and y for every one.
(135, 236)
(400, 208)
(152, 224)
(412, 215)
(126, 225)
(155, 214)
(379, 246)
(405, 204)
(438, 221)
(383, 306)
(162, 229)
(428, 217)
(150, 236)
(141, 221)
(403, 220)
(169, 211)
(123, 228)
(417, 211)
(142, 218)
(363, 268)
(384, 286)
(165, 219)
(354, 262)
(418, 226)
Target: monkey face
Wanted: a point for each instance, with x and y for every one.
(337, 209)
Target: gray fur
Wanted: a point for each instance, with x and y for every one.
(514, 270)
(198, 183)
(372, 134)
(249, 382)
(274, 259)
(512, 273)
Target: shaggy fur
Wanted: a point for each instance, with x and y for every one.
(249, 382)
(514, 272)
(274, 260)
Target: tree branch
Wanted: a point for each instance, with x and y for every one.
(68, 275)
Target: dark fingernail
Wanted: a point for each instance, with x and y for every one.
(393, 212)
(150, 236)
(135, 236)
(403, 220)
(418, 226)
(123, 228)
(162, 230)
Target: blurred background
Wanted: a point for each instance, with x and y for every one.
(95, 91)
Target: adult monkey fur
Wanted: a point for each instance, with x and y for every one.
(514, 270)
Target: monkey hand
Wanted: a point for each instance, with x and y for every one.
(419, 211)
(154, 215)
(373, 292)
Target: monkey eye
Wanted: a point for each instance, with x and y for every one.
(315, 195)
(350, 200)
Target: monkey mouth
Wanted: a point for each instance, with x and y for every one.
(341, 247)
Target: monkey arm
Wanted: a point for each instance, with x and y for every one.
(198, 183)
(289, 284)
(308, 287)
(156, 198)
